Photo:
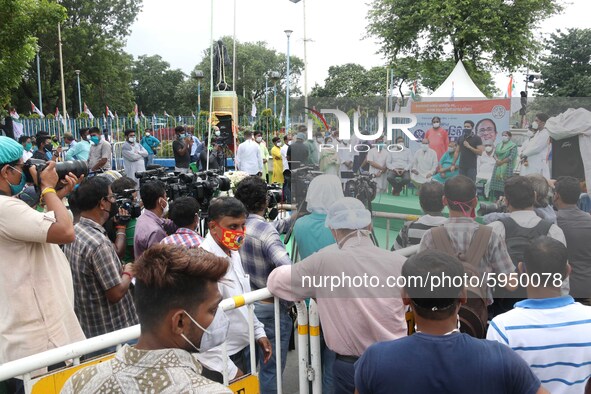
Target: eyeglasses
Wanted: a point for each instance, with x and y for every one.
(486, 130)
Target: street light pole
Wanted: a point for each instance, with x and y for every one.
(288, 34)
(39, 81)
(266, 91)
(64, 109)
(275, 76)
(198, 75)
(79, 94)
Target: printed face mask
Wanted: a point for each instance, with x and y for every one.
(231, 239)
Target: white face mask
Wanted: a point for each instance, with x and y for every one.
(289, 142)
(258, 139)
(505, 138)
(278, 143)
(451, 150)
(217, 133)
(535, 125)
(424, 147)
(165, 208)
(147, 134)
(131, 139)
(488, 149)
(214, 335)
(436, 124)
(529, 133)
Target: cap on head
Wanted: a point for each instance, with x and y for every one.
(301, 136)
(10, 150)
(347, 213)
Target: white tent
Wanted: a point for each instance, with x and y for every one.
(458, 85)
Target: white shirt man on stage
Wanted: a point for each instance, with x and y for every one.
(536, 149)
(248, 156)
(424, 164)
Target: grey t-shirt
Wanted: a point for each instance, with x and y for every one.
(97, 152)
(576, 226)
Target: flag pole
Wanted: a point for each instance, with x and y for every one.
(59, 39)
(211, 76)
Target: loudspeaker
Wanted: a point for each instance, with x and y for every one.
(225, 126)
(566, 158)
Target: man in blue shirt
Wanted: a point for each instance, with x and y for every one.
(437, 358)
(79, 150)
(150, 144)
(262, 252)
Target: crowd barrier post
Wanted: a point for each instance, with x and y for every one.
(303, 347)
(315, 350)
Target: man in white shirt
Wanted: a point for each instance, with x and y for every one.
(227, 217)
(346, 155)
(485, 165)
(133, 156)
(534, 154)
(551, 332)
(424, 164)
(248, 156)
(398, 163)
(376, 158)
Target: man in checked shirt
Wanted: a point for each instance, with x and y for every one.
(263, 251)
(184, 213)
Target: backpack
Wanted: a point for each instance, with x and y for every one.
(473, 314)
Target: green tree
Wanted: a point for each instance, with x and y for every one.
(352, 80)
(155, 84)
(486, 32)
(22, 21)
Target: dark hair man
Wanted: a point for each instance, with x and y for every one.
(425, 362)
(297, 153)
(248, 156)
(216, 157)
(534, 151)
(258, 138)
(133, 155)
(438, 137)
(227, 219)
(399, 163)
(459, 194)
(103, 303)
(181, 147)
(81, 149)
(44, 150)
(178, 307)
(430, 198)
(150, 144)
(33, 263)
(469, 147)
(100, 154)
(151, 227)
(25, 141)
(262, 252)
(184, 213)
(120, 187)
(576, 226)
(542, 328)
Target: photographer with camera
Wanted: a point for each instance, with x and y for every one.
(45, 149)
(151, 228)
(125, 189)
(181, 147)
(103, 303)
(37, 297)
(262, 252)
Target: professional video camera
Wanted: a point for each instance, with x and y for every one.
(204, 186)
(363, 188)
(274, 196)
(77, 167)
(127, 202)
(300, 181)
(491, 207)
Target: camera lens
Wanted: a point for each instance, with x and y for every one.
(76, 167)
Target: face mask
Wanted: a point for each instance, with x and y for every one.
(436, 124)
(529, 133)
(278, 143)
(424, 147)
(131, 139)
(231, 239)
(94, 140)
(214, 335)
(164, 209)
(466, 207)
(467, 131)
(488, 149)
(28, 146)
(329, 142)
(16, 189)
(258, 139)
(217, 133)
(535, 125)
(505, 138)
(289, 142)
(113, 210)
(182, 136)
(54, 139)
(451, 150)
(147, 134)
(48, 148)
(379, 145)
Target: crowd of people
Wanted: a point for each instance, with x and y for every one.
(84, 267)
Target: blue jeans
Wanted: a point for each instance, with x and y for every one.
(265, 312)
(344, 377)
(149, 160)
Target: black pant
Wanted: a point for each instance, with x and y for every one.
(240, 359)
(398, 181)
(469, 172)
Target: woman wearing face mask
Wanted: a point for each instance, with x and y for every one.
(444, 171)
(329, 160)
(505, 155)
(277, 161)
(485, 166)
(438, 138)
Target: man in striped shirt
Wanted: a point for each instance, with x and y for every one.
(552, 333)
(430, 198)
(184, 213)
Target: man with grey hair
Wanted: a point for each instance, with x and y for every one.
(354, 313)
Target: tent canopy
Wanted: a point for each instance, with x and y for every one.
(458, 85)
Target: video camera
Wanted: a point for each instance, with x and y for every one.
(363, 188)
(127, 202)
(77, 167)
(492, 207)
(274, 196)
(300, 181)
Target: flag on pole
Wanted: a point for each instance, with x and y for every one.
(109, 113)
(17, 126)
(510, 87)
(57, 113)
(142, 114)
(36, 110)
(180, 119)
(414, 91)
(253, 110)
(87, 112)
(453, 88)
(193, 115)
(281, 115)
(137, 114)
(167, 115)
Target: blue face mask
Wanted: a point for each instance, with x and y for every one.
(95, 140)
(16, 189)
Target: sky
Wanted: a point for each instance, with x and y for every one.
(179, 30)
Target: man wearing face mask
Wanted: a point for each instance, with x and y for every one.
(100, 154)
(25, 141)
(227, 220)
(248, 156)
(181, 147)
(133, 156)
(258, 137)
(424, 164)
(33, 263)
(376, 158)
(398, 164)
(150, 144)
(469, 148)
(151, 227)
(184, 212)
(178, 308)
(485, 166)
(103, 302)
(81, 150)
(438, 137)
(353, 317)
(459, 194)
(44, 150)
(534, 154)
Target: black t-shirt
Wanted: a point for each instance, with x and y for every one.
(39, 155)
(181, 161)
(297, 151)
(215, 160)
(468, 158)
